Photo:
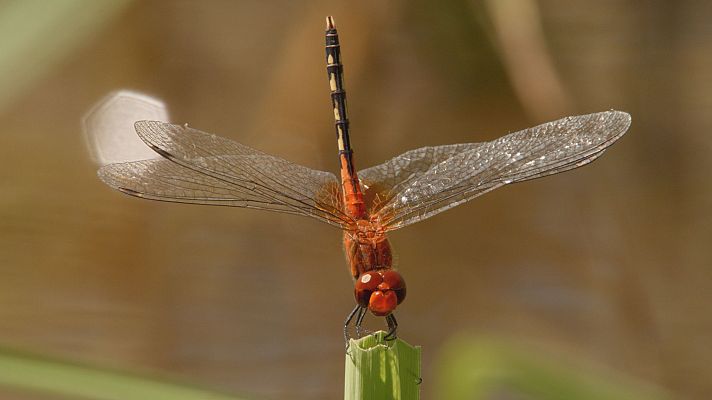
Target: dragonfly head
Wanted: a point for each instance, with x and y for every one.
(380, 290)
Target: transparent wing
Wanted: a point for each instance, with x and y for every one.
(381, 182)
(201, 168)
(421, 183)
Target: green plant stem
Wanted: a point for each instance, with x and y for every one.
(377, 369)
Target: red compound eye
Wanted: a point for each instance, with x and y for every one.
(381, 291)
(395, 283)
(382, 303)
(365, 285)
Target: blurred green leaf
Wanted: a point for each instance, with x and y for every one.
(37, 375)
(472, 368)
(35, 35)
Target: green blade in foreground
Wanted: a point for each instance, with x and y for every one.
(31, 374)
(382, 370)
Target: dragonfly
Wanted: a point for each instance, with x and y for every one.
(196, 167)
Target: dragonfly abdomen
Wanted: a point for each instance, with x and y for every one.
(353, 197)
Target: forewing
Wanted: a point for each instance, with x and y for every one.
(481, 167)
(202, 168)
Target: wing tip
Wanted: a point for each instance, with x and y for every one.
(622, 115)
(146, 124)
(622, 119)
(106, 175)
(616, 122)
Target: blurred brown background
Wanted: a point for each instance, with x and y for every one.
(610, 262)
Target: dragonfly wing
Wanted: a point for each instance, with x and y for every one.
(528, 154)
(202, 168)
(382, 182)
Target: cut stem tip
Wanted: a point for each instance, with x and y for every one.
(330, 23)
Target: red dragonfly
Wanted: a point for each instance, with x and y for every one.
(201, 168)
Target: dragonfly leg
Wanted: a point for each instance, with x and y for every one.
(348, 321)
(359, 321)
(392, 327)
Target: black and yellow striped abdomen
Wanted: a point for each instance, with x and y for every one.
(353, 198)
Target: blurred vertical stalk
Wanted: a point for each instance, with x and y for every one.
(521, 42)
(382, 370)
(35, 35)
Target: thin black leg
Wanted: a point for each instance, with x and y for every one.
(348, 321)
(392, 327)
(359, 321)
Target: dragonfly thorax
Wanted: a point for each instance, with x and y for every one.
(368, 231)
(367, 247)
